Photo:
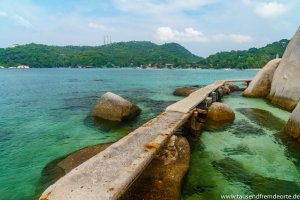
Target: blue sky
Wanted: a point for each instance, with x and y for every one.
(202, 26)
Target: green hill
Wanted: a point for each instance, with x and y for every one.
(134, 53)
(252, 58)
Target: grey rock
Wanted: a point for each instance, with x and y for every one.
(115, 108)
(285, 89)
(260, 86)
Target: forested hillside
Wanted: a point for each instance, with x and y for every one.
(135, 53)
(252, 58)
(121, 54)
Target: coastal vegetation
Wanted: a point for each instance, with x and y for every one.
(135, 54)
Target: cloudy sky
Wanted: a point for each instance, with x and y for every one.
(202, 26)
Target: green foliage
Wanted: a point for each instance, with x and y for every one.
(252, 58)
(135, 53)
(120, 54)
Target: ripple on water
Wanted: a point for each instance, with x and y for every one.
(245, 158)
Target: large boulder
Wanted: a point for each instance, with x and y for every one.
(292, 127)
(63, 165)
(220, 112)
(184, 91)
(260, 86)
(285, 89)
(226, 89)
(112, 107)
(163, 177)
(232, 87)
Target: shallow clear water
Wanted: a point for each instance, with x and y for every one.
(43, 114)
(246, 155)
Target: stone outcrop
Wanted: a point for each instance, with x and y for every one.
(234, 171)
(184, 91)
(115, 108)
(260, 86)
(162, 179)
(292, 127)
(285, 89)
(232, 87)
(63, 165)
(226, 89)
(220, 112)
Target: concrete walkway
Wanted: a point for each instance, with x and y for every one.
(190, 102)
(110, 173)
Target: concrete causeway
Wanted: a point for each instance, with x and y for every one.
(110, 173)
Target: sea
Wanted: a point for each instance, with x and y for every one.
(45, 114)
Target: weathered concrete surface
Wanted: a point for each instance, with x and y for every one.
(260, 86)
(292, 128)
(189, 103)
(162, 179)
(110, 173)
(115, 108)
(285, 90)
(220, 112)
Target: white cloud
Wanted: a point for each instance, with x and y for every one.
(3, 14)
(187, 35)
(22, 21)
(97, 26)
(237, 38)
(154, 6)
(270, 9)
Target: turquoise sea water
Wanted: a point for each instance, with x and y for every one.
(44, 113)
(246, 158)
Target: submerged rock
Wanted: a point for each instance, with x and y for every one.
(285, 89)
(243, 128)
(115, 108)
(233, 87)
(220, 112)
(184, 91)
(263, 118)
(61, 166)
(232, 170)
(260, 86)
(226, 89)
(162, 179)
(239, 150)
(271, 186)
(292, 128)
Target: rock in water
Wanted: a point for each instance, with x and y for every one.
(285, 89)
(184, 91)
(115, 108)
(272, 186)
(292, 127)
(260, 86)
(263, 117)
(220, 112)
(232, 170)
(226, 89)
(61, 166)
(233, 87)
(162, 179)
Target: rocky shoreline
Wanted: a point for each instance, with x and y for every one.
(278, 82)
(163, 177)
